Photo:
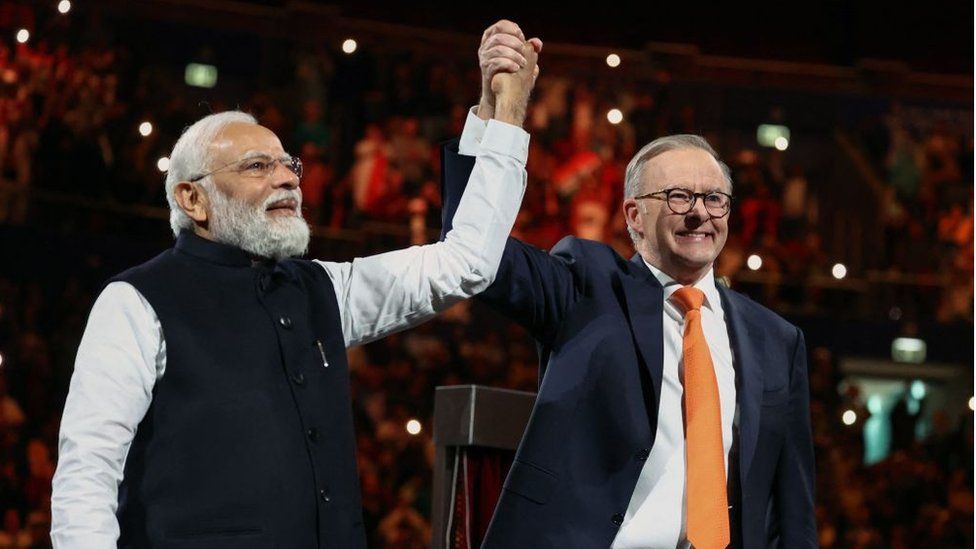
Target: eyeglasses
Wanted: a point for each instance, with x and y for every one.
(258, 167)
(681, 201)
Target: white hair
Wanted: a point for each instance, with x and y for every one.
(661, 145)
(246, 226)
(191, 157)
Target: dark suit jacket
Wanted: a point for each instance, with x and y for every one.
(597, 319)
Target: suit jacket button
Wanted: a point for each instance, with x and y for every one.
(285, 322)
(298, 378)
(617, 519)
(325, 496)
(313, 434)
(643, 454)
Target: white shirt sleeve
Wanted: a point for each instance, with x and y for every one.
(473, 133)
(388, 292)
(121, 355)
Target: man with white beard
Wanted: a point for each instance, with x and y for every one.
(209, 406)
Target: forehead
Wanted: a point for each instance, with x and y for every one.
(692, 168)
(237, 138)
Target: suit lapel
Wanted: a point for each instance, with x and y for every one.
(644, 299)
(746, 339)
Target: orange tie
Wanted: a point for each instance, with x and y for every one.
(708, 511)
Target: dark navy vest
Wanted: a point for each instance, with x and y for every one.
(249, 438)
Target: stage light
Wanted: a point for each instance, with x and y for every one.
(971, 403)
(349, 46)
(64, 6)
(849, 417)
(414, 427)
(839, 271)
(613, 60)
(917, 389)
(614, 116)
(754, 262)
(163, 164)
(769, 135)
(908, 350)
(145, 129)
(23, 35)
(1, 365)
(200, 75)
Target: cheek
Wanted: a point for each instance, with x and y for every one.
(652, 222)
(722, 225)
(721, 233)
(255, 197)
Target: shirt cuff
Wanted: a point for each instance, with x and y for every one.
(474, 130)
(504, 138)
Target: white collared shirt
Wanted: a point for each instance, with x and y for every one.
(657, 515)
(123, 353)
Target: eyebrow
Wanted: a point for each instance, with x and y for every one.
(707, 191)
(252, 154)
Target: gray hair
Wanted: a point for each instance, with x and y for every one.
(661, 145)
(190, 157)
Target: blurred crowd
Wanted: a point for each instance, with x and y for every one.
(921, 493)
(925, 158)
(368, 136)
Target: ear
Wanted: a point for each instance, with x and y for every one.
(192, 200)
(632, 214)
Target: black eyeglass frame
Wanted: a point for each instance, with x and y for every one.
(691, 204)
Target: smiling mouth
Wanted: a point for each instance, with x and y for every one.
(286, 205)
(696, 236)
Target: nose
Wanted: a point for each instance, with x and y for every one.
(282, 177)
(698, 209)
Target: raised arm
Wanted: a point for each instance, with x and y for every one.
(389, 292)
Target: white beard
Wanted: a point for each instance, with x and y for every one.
(249, 227)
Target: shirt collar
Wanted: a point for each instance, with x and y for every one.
(706, 284)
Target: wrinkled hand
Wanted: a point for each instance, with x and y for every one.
(512, 90)
(502, 51)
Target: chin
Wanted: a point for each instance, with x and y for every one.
(694, 264)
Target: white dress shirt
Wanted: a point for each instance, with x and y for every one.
(123, 353)
(657, 515)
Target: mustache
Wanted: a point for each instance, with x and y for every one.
(283, 194)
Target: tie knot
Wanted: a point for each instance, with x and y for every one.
(689, 298)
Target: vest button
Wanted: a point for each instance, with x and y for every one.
(313, 434)
(325, 496)
(285, 322)
(617, 519)
(298, 378)
(643, 454)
